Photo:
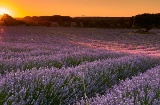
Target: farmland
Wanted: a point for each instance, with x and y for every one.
(52, 66)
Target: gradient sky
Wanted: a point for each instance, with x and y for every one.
(113, 8)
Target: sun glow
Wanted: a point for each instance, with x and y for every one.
(4, 11)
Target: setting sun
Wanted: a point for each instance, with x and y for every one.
(4, 11)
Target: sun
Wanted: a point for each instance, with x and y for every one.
(4, 11)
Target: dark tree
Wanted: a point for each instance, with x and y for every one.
(147, 21)
(8, 20)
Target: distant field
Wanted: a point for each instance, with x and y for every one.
(60, 66)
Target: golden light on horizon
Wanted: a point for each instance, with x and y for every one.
(110, 8)
(5, 11)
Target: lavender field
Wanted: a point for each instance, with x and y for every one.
(79, 66)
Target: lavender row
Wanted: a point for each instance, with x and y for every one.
(58, 61)
(102, 75)
(36, 49)
(143, 89)
(65, 86)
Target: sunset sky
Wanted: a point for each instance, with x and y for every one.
(110, 8)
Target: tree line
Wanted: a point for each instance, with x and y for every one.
(146, 21)
(86, 22)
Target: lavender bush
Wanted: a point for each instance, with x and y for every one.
(58, 61)
(143, 89)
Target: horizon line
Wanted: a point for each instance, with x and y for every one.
(75, 16)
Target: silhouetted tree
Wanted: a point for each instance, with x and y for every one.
(147, 21)
(8, 20)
